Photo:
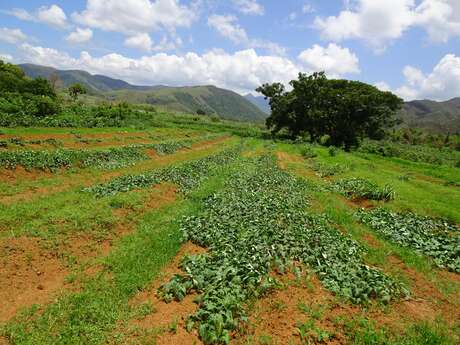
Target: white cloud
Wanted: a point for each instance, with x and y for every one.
(52, 15)
(242, 71)
(144, 42)
(228, 27)
(375, 21)
(379, 22)
(6, 57)
(11, 35)
(307, 8)
(139, 41)
(440, 18)
(135, 16)
(20, 13)
(440, 84)
(413, 75)
(383, 86)
(292, 16)
(80, 35)
(333, 59)
(249, 7)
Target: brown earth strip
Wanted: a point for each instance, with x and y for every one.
(166, 324)
(29, 274)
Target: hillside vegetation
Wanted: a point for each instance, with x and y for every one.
(209, 100)
(438, 117)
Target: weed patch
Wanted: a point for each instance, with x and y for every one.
(358, 188)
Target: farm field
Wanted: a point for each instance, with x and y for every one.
(192, 234)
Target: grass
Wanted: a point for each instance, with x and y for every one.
(437, 194)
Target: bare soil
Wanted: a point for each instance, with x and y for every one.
(168, 319)
(29, 275)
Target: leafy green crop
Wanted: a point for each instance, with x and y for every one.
(106, 159)
(258, 223)
(186, 176)
(361, 188)
(436, 238)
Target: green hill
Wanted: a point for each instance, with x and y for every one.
(210, 99)
(439, 117)
(260, 102)
(94, 83)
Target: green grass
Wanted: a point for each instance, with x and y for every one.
(438, 198)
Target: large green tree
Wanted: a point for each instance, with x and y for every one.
(75, 90)
(21, 96)
(344, 110)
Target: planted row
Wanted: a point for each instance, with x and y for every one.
(358, 188)
(260, 223)
(436, 238)
(106, 158)
(186, 176)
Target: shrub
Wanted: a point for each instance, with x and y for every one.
(332, 151)
(308, 152)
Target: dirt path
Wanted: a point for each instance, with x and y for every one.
(166, 324)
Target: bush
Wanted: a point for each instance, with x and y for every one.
(308, 152)
(333, 151)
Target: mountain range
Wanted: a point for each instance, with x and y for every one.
(437, 117)
(191, 99)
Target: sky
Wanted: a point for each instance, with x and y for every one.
(409, 47)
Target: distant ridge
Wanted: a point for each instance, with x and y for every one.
(260, 102)
(209, 99)
(437, 117)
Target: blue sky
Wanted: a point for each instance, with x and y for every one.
(410, 47)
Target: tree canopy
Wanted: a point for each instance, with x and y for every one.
(20, 95)
(75, 90)
(344, 110)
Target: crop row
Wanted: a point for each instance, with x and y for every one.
(106, 158)
(259, 223)
(186, 176)
(436, 238)
(21, 142)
